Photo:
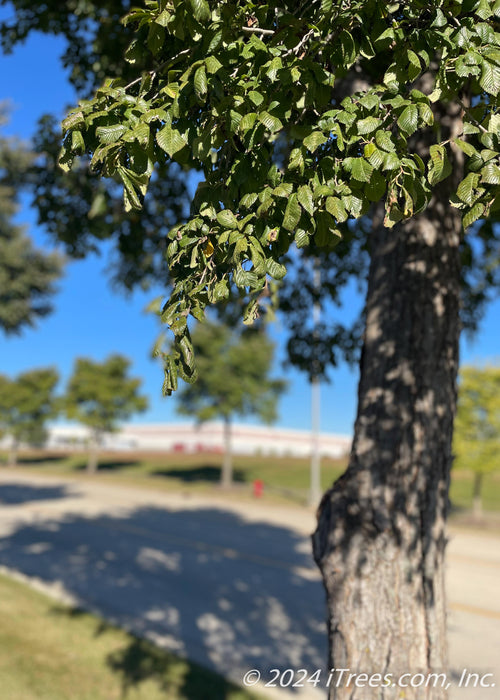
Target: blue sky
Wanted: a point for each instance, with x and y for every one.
(92, 320)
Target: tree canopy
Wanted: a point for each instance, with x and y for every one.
(80, 210)
(300, 117)
(27, 274)
(100, 395)
(233, 379)
(26, 404)
(233, 371)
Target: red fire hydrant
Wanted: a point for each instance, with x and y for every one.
(258, 488)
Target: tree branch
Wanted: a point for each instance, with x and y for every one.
(258, 30)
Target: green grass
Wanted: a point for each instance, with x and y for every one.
(462, 489)
(286, 479)
(51, 652)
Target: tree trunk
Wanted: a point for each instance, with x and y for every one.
(380, 539)
(12, 456)
(227, 462)
(477, 501)
(92, 462)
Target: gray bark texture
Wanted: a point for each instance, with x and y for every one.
(380, 539)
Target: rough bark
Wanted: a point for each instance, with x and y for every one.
(380, 540)
(227, 462)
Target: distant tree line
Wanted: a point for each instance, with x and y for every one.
(98, 395)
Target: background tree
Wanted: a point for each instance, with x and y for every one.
(233, 369)
(27, 275)
(26, 404)
(99, 395)
(477, 430)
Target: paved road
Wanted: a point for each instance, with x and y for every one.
(231, 586)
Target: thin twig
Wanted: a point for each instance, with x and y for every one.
(302, 42)
(474, 121)
(153, 73)
(258, 30)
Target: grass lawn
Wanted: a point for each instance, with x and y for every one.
(51, 652)
(286, 479)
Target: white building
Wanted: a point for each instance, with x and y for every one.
(207, 437)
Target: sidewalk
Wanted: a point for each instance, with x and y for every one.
(473, 557)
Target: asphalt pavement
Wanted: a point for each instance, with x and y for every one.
(230, 585)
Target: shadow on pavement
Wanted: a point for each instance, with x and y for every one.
(204, 584)
(16, 494)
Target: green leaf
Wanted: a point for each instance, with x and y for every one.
(271, 123)
(247, 122)
(466, 147)
(466, 189)
(314, 140)
(200, 82)
(326, 235)
(375, 156)
(227, 219)
(375, 189)
(73, 120)
(361, 170)
(302, 238)
(256, 97)
(296, 161)
(221, 290)
(292, 213)
(408, 120)
(426, 113)
(384, 141)
(201, 10)
(77, 143)
(213, 65)
(274, 66)
(491, 174)
(110, 134)
(414, 66)
(490, 77)
(336, 208)
(367, 125)
(248, 200)
(305, 198)
(285, 189)
(170, 140)
(439, 165)
(473, 215)
(275, 269)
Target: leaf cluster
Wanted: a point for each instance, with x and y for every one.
(299, 117)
